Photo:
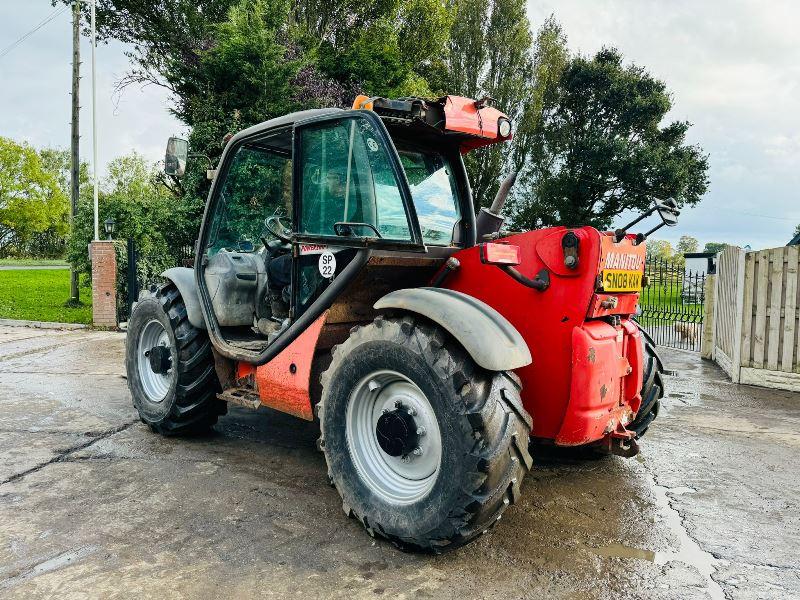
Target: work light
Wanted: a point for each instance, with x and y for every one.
(504, 127)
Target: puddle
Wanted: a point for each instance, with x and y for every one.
(689, 552)
(680, 490)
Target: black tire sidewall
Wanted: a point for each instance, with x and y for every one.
(147, 310)
(430, 512)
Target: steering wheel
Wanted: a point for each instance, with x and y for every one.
(278, 229)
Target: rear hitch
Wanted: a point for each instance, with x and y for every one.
(627, 448)
(618, 446)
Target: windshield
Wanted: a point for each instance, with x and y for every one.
(433, 189)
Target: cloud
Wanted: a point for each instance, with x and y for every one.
(35, 101)
(733, 67)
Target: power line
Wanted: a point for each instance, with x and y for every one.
(52, 16)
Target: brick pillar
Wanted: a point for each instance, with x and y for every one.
(104, 284)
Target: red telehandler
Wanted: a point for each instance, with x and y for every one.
(342, 274)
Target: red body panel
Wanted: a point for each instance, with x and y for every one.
(283, 383)
(463, 116)
(584, 380)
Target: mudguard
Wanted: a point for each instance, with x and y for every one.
(492, 342)
(183, 278)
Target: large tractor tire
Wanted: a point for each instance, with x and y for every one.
(425, 448)
(170, 367)
(652, 387)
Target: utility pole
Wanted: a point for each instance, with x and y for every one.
(94, 123)
(74, 292)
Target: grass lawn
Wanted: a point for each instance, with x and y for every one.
(32, 262)
(39, 295)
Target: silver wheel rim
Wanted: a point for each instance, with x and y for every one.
(395, 479)
(155, 385)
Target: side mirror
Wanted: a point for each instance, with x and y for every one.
(176, 156)
(668, 211)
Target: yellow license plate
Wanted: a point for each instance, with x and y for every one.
(618, 280)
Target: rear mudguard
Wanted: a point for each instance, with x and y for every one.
(183, 278)
(488, 337)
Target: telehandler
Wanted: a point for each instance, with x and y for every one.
(341, 273)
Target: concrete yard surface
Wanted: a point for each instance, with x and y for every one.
(94, 505)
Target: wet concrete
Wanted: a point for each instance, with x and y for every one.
(92, 504)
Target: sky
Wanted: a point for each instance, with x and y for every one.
(733, 67)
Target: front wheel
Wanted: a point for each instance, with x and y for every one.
(425, 448)
(170, 367)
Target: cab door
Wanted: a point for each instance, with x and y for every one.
(350, 195)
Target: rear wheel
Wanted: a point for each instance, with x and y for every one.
(170, 367)
(425, 448)
(652, 388)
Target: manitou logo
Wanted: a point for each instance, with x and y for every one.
(624, 262)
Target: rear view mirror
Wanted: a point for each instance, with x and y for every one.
(175, 158)
(668, 211)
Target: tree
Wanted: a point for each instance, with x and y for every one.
(660, 250)
(234, 63)
(31, 201)
(550, 58)
(490, 55)
(142, 209)
(687, 244)
(797, 231)
(600, 148)
(715, 247)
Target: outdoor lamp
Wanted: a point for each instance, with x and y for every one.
(108, 225)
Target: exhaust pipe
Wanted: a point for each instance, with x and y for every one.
(489, 220)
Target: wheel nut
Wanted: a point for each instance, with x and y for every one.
(373, 385)
(398, 404)
(421, 431)
(412, 411)
(417, 451)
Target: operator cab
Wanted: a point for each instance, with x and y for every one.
(298, 198)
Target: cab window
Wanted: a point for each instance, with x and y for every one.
(257, 185)
(433, 189)
(346, 176)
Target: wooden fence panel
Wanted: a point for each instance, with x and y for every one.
(747, 308)
(728, 306)
(758, 311)
(774, 329)
(788, 356)
(760, 327)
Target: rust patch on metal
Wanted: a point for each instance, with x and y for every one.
(592, 356)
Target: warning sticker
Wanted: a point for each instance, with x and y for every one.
(312, 249)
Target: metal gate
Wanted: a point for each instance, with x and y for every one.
(672, 304)
(143, 274)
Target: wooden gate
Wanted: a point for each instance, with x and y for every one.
(757, 316)
(728, 310)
